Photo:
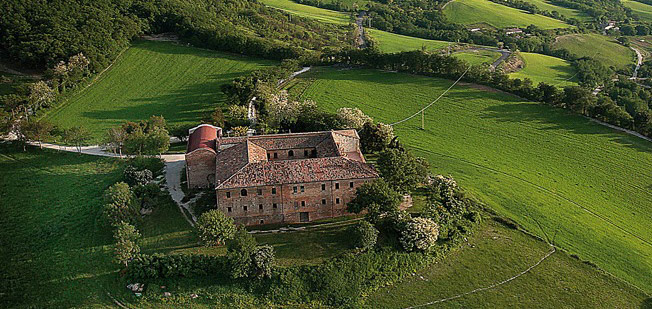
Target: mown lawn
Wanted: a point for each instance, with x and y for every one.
(496, 253)
(477, 56)
(154, 78)
(642, 10)
(471, 12)
(542, 68)
(599, 47)
(590, 184)
(393, 43)
(303, 10)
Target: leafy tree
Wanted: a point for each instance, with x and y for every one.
(376, 197)
(420, 234)
(126, 246)
(239, 250)
(135, 177)
(402, 170)
(365, 235)
(147, 194)
(375, 137)
(38, 131)
(214, 228)
(156, 141)
(135, 142)
(119, 204)
(6, 122)
(115, 139)
(77, 136)
(240, 131)
(40, 95)
(262, 261)
(217, 118)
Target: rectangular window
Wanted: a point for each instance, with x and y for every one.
(274, 206)
(245, 207)
(351, 184)
(337, 200)
(268, 156)
(303, 189)
(228, 194)
(294, 189)
(259, 191)
(323, 201)
(305, 153)
(273, 190)
(337, 185)
(296, 204)
(260, 206)
(323, 187)
(275, 155)
(303, 203)
(228, 209)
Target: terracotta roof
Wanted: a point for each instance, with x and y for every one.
(289, 141)
(202, 137)
(230, 160)
(298, 171)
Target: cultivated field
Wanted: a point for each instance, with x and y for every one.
(642, 10)
(599, 47)
(542, 68)
(393, 43)
(588, 184)
(568, 13)
(478, 56)
(302, 10)
(154, 78)
(471, 12)
(496, 253)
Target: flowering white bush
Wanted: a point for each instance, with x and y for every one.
(420, 234)
(352, 118)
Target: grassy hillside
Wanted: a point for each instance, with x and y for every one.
(154, 78)
(542, 68)
(601, 48)
(496, 253)
(642, 10)
(568, 13)
(323, 15)
(484, 11)
(478, 56)
(393, 43)
(528, 161)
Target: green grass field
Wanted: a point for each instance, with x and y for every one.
(599, 47)
(393, 43)
(642, 10)
(303, 10)
(542, 68)
(478, 56)
(590, 184)
(568, 13)
(496, 253)
(154, 78)
(471, 12)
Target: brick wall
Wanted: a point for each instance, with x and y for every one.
(200, 168)
(283, 154)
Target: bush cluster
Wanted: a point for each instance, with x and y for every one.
(365, 236)
(158, 266)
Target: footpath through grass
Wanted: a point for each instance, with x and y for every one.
(496, 253)
(599, 47)
(154, 78)
(471, 12)
(542, 68)
(528, 161)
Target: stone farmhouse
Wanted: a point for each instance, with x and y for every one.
(296, 177)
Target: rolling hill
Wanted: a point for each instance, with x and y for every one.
(542, 68)
(470, 12)
(642, 10)
(599, 47)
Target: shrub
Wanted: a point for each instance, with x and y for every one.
(135, 177)
(375, 137)
(126, 247)
(140, 163)
(365, 235)
(402, 170)
(168, 266)
(240, 131)
(262, 261)
(119, 204)
(378, 193)
(214, 228)
(420, 234)
(239, 251)
(147, 195)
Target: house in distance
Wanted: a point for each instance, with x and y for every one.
(295, 177)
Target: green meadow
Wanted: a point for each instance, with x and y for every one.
(470, 12)
(568, 13)
(477, 56)
(551, 171)
(642, 10)
(303, 10)
(599, 47)
(394, 43)
(542, 68)
(154, 78)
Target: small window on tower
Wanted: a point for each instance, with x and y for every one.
(228, 209)
(243, 192)
(337, 185)
(323, 201)
(273, 190)
(228, 194)
(268, 156)
(323, 187)
(303, 203)
(351, 184)
(337, 200)
(260, 191)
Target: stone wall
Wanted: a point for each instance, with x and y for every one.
(200, 168)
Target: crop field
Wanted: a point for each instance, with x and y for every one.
(588, 185)
(393, 43)
(496, 253)
(303, 10)
(471, 12)
(599, 47)
(154, 78)
(642, 10)
(568, 13)
(542, 68)
(478, 56)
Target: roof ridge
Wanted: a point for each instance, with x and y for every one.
(232, 175)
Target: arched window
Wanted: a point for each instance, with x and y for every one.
(291, 153)
(243, 192)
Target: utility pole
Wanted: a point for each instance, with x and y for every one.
(423, 127)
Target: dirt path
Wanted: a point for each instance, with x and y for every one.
(639, 61)
(445, 4)
(504, 53)
(360, 40)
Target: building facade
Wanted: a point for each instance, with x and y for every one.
(278, 178)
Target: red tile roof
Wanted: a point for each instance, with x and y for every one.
(203, 136)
